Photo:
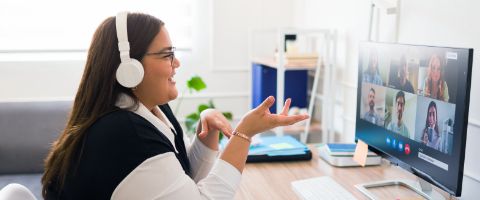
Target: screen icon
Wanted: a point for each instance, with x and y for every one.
(388, 140)
(394, 143)
(400, 145)
(407, 149)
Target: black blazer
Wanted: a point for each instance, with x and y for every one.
(112, 148)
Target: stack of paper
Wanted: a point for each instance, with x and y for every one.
(299, 58)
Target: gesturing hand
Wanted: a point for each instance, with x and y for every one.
(213, 121)
(260, 119)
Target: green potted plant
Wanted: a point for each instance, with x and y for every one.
(196, 84)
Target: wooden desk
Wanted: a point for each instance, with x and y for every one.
(271, 181)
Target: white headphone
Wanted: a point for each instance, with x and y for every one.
(130, 71)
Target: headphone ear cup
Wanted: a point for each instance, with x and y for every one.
(130, 74)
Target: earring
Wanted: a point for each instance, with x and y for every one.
(134, 88)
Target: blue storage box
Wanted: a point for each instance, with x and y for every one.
(264, 84)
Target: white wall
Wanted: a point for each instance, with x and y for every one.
(219, 54)
(431, 22)
(39, 76)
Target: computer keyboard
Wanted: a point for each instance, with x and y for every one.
(321, 188)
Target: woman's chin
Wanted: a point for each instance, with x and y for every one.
(173, 95)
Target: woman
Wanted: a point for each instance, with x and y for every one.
(371, 74)
(434, 85)
(431, 136)
(122, 141)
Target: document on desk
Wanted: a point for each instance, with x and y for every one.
(361, 153)
(275, 144)
(277, 148)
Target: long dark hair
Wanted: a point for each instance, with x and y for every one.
(434, 105)
(97, 92)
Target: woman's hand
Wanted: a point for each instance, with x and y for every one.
(260, 119)
(211, 122)
(257, 120)
(425, 137)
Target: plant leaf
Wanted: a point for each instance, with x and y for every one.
(191, 122)
(210, 103)
(196, 83)
(228, 115)
(191, 125)
(202, 107)
(193, 116)
(220, 136)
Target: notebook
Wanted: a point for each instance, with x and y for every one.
(277, 148)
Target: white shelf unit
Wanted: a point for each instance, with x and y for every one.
(325, 46)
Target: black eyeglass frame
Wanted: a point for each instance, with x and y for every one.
(170, 53)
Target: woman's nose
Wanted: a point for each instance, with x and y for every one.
(176, 62)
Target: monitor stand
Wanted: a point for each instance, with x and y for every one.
(421, 187)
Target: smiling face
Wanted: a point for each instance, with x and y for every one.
(158, 85)
(435, 68)
(400, 107)
(371, 99)
(432, 116)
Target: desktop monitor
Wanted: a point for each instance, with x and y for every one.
(412, 108)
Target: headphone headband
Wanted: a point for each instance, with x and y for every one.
(122, 35)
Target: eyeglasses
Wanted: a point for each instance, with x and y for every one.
(168, 52)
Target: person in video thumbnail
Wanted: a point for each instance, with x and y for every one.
(398, 126)
(370, 115)
(431, 136)
(434, 85)
(371, 74)
(402, 82)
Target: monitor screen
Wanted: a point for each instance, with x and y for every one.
(412, 107)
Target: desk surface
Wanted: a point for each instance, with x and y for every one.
(272, 180)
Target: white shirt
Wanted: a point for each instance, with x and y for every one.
(162, 176)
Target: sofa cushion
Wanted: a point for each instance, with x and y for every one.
(27, 129)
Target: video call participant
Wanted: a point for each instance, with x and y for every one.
(434, 86)
(398, 126)
(371, 115)
(401, 82)
(431, 136)
(371, 74)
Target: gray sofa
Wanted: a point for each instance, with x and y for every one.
(27, 130)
